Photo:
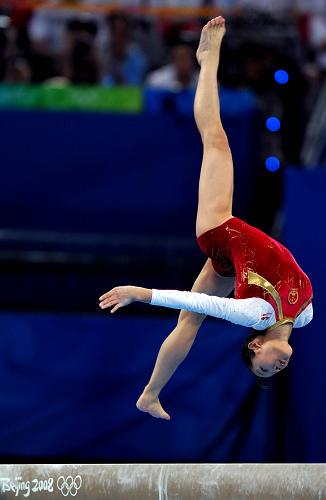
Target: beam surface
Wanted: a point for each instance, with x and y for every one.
(164, 481)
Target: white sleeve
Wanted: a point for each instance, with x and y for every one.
(304, 318)
(253, 312)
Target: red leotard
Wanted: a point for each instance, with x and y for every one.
(263, 267)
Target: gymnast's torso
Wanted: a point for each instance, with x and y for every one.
(262, 266)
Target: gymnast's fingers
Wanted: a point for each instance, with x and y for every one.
(108, 303)
(112, 293)
(107, 294)
(116, 307)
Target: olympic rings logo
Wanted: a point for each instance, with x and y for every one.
(69, 485)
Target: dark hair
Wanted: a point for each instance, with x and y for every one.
(248, 355)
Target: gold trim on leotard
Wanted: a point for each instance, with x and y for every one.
(304, 306)
(256, 279)
(280, 322)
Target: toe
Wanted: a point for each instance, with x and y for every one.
(166, 416)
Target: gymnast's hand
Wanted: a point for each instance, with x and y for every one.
(123, 295)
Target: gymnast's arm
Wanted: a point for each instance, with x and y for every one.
(176, 346)
(245, 312)
(208, 282)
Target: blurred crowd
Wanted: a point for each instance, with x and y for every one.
(117, 49)
(63, 46)
(120, 49)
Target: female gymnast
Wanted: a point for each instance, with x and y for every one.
(272, 293)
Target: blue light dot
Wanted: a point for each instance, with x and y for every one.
(281, 76)
(272, 163)
(273, 124)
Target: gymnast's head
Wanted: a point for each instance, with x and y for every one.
(266, 353)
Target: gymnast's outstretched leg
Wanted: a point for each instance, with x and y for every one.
(216, 177)
(214, 207)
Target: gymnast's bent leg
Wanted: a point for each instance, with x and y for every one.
(214, 207)
(177, 345)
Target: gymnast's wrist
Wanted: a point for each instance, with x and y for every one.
(143, 295)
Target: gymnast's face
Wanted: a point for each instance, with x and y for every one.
(271, 356)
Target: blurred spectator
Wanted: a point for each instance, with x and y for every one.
(125, 62)
(18, 70)
(53, 35)
(46, 28)
(147, 34)
(314, 145)
(182, 73)
(3, 52)
(80, 61)
(43, 42)
(14, 66)
(317, 38)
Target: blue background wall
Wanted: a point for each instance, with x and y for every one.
(305, 236)
(133, 174)
(107, 197)
(69, 382)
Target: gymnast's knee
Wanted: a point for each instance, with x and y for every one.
(215, 138)
(190, 321)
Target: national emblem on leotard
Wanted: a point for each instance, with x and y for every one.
(293, 296)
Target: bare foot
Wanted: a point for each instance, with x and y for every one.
(211, 38)
(151, 404)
